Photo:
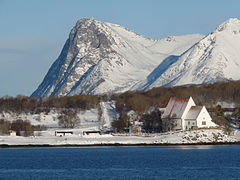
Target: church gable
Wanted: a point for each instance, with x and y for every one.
(204, 120)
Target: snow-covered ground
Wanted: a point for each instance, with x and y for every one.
(187, 137)
(95, 120)
(89, 119)
(109, 113)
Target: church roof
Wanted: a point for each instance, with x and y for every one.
(194, 112)
(175, 107)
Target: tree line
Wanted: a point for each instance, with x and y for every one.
(37, 105)
(208, 95)
(23, 128)
(139, 101)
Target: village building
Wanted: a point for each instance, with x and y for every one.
(92, 133)
(135, 125)
(183, 114)
(63, 133)
(12, 133)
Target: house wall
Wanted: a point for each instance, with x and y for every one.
(68, 134)
(59, 134)
(189, 124)
(13, 133)
(178, 123)
(205, 117)
(189, 105)
(63, 134)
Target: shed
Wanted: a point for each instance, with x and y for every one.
(12, 133)
(63, 133)
(92, 133)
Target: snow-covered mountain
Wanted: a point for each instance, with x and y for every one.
(214, 58)
(100, 58)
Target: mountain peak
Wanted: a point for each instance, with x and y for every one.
(232, 25)
(100, 58)
(85, 23)
(84, 19)
(214, 58)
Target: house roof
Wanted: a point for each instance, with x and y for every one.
(194, 112)
(175, 107)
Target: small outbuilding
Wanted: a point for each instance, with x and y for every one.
(90, 133)
(12, 133)
(63, 133)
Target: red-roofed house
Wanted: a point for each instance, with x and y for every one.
(183, 114)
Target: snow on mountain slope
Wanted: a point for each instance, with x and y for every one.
(109, 114)
(214, 58)
(103, 58)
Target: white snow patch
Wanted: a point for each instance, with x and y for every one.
(197, 136)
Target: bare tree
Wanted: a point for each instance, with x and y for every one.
(152, 122)
(122, 124)
(68, 119)
(169, 124)
(22, 127)
(4, 126)
(227, 125)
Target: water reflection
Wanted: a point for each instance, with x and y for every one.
(194, 147)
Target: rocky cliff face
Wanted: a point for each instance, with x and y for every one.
(100, 58)
(85, 47)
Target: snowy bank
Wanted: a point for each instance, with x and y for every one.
(207, 136)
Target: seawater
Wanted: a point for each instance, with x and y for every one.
(180, 162)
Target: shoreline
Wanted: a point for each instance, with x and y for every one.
(4, 146)
(189, 138)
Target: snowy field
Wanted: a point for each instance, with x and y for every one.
(187, 137)
(89, 119)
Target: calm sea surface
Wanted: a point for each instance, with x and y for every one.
(185, 162)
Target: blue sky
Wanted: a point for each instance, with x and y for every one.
(33, 32)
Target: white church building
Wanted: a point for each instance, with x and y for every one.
(183, 114)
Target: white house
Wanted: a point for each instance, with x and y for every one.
(183, 114)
